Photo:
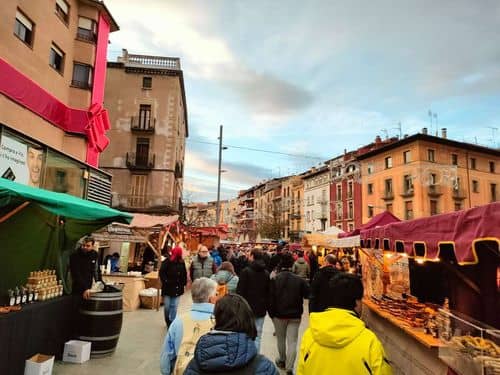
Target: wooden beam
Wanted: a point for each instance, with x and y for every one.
(13, 212)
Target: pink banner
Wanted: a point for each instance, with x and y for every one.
(100, 61)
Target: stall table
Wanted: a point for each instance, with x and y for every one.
(409, 349)
(40, 327)
(132, 286)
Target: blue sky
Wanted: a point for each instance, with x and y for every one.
(311, 78)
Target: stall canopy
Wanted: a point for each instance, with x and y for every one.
(426, 238)
(381, 219)
(39, 229)
(321, 238)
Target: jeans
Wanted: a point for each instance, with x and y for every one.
(259, 323)
(170, 308)
(287, 334)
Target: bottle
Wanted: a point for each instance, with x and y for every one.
(17, 293)
(30, 294)
(35, 294)
(24, 295)
(12, 297)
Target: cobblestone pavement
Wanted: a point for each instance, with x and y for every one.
(141, 339)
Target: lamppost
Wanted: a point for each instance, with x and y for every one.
(217, 214)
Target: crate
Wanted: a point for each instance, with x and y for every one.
(150, 302)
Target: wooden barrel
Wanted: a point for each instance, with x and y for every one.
(101, 319)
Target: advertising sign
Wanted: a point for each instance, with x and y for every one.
(20, 162)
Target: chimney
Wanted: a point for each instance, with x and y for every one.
(345, 151)
(405, 136)
(444, 133)
(424, 131)
(378, 140)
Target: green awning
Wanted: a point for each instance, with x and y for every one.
(14, 194)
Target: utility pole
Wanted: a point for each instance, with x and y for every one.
(217, 214)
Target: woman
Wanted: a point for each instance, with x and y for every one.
(226, 275)
(173, 277)
(230, 347)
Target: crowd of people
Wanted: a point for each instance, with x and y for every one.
(233, 289)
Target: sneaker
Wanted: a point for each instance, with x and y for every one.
(280, 364)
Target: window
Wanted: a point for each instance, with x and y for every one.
(370, 169)
(458, 206)
(370, 211)
(493, 189)
(432, 179)
(388, 207)
(408, 210)
(23, 28)
(349, 189)
(62, 10)
(454, 159)
(370, 188)
(339, 192)
(472, 163)
(431, 155)
(351, 227)
(388, 162)
(138, 189)
(56, 58)
(86, 29)
(492, 167)
(147, 82)
(407, 157)
(145, 116)
(82, 76)
(339, 211)
(408, 184)
(475, 186)
(434, 205)
(350, 210)
(388, 186)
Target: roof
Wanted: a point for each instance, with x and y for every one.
(432, 139)
(312, 173)
(381, 219)
(148, 221)
(106, 13)
(13, 194)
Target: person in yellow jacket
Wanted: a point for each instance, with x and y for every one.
(337, 340)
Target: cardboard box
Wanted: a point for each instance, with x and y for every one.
(76, 351)
(39, 364)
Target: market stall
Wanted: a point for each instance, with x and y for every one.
(319, 242)
(432, 291)
(207, 236)
(38, 231)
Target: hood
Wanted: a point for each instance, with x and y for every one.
(220, 351)
(223, 276)
(335, 328)
(258, 265)
(301, 260)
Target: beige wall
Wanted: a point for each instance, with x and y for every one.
(123, 96)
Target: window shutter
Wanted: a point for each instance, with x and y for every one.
(63, 5)
(85, 23)
(26, 22)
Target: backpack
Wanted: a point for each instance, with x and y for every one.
(193, 330)
(222, 289)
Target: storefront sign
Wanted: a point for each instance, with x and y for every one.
(20, 162)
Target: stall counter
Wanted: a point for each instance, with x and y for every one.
(132, 286)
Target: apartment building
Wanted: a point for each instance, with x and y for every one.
(291, 190)
(316, 201)
(245, 216)
(423, 175)
(52, 74)
(229, 213)
(147, 108)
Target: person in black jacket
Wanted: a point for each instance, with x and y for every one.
(286, 296)
(319, 300)
(173, 276)
(84, 267)
(313, 264)
(254, 287)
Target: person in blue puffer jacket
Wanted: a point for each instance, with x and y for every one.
(230, 347)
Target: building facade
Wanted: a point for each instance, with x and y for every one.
(290, 202)
(52, 76)
(424, 175)
(147, 109)
(316, 201)
(245, 216)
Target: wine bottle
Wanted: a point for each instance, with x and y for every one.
(17, 292)
(24, 295)
(12, 297)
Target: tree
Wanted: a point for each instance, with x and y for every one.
(271, 226)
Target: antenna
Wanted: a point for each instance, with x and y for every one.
(493, 138)
(385, 132)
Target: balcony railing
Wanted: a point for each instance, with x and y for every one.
(87, 35)
(434, 190)
(140, 161)
(388, 195)
(459, 193)
(408, 192)
(142, 124)
(151, 203)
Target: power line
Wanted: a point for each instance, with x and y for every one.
(302, 156)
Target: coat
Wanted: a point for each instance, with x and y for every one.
(173, 276)
(226, 277)
(226, 352)
(301, 268)
(339, 337)
(202, 267)
(84, 268)
(319, 300)
(254, 287)
(286, 296)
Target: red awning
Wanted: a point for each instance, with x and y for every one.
(426, 236)
(379, 220)
(220, 231)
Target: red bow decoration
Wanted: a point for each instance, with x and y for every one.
(96, 130)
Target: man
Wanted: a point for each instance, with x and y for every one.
(300, 267)
(319, 293)
(203, 293)
(313, 264)
(34, 162)
(253, 285)
(339, 337)
(202, 265)
(84, 268)
(287, 293)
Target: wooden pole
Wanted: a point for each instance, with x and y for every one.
(13, 212)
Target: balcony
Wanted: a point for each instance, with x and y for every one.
(142, 124)
(295, 216)
(86, 35)
(459, 194)
(179, 170)
(434, 191)
(408, 192)
(145, 203)
(388, 195)
(141, 161)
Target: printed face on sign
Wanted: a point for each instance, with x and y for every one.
(34, 161)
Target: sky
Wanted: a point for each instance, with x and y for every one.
(304, 80)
